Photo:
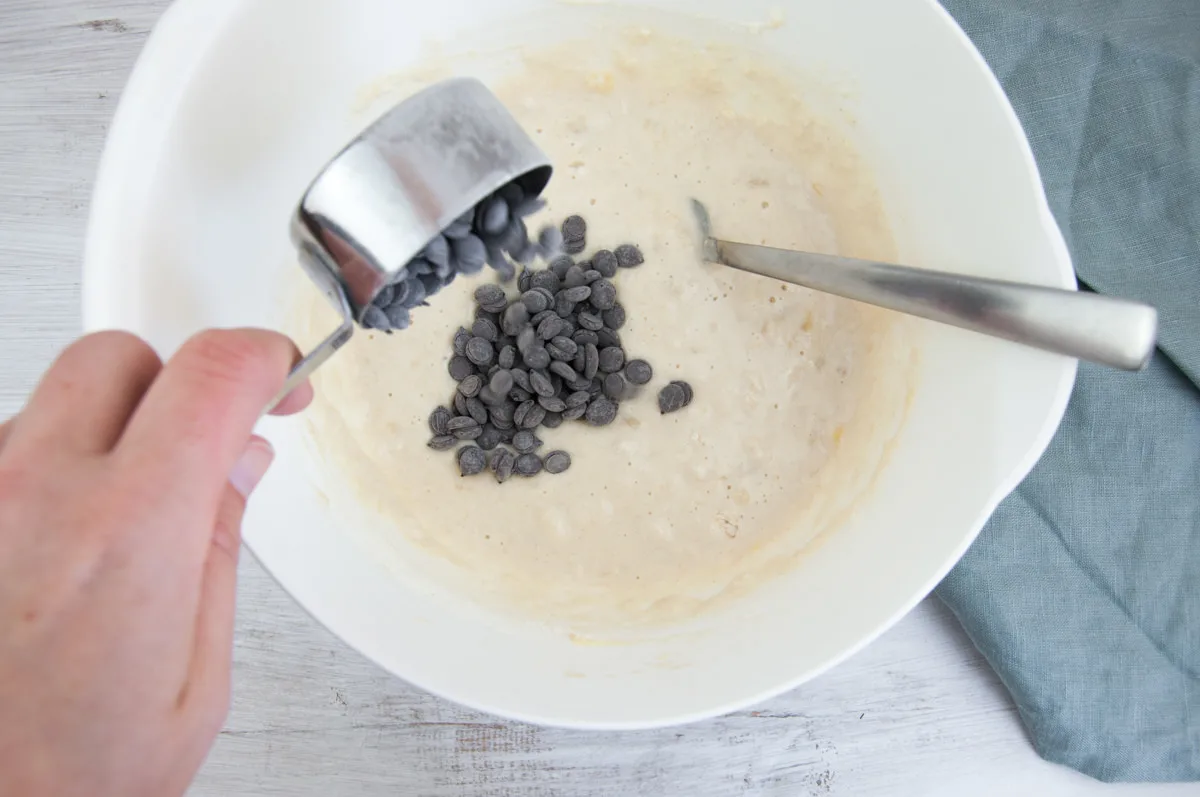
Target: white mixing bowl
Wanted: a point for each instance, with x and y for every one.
(236, 103)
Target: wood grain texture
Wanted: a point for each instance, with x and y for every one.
(917, 713)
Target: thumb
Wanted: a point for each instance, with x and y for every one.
(214, 624)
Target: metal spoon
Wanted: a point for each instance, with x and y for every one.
(1101, 329)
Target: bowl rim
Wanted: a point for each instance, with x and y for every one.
(179, 44)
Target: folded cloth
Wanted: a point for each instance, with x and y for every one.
(1083, 591)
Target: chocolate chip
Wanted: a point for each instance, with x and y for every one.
(615, 318)
(443, 442)
(602, 412)
(565, 370)
(574, 278)
(552, 403)
(615, 387)
(502, 382)
(535, 302)
(512, 193)
(591, 322)
(550, 328)
(502, 416)
(437, 252)
(460, 367)
(550, 239)
(541, 383)
(464, 428)
(490, 297)
(438, 420)
(534, 418)
(486, 329)
(490, 438)
(493, 216)
(578, 399)
(688, 394)
(490, 397)
(398, 317)
(563, 306)
(514, 319)
(671, 398)
(558, 462)
(585, 336)
(470, 253)
(604, 294)
(537, 358)
(553, 420)
(471, 386)
(529, 465)
(629, 256)
(605, 262)
(522, 413)
(477, 410)
(515, 237)
(612, 359)
(507, 357)
(608, 337)
(545, 279)
(639, 372)
(563, 348)
(480, 352)
(459, 228)
(541, 317)
(592, 365)
(526, 339)
(526, 442)
(460, 341)
(574, 228)
(502, 465)
(529, 206)
(375, 318)
(581, 384)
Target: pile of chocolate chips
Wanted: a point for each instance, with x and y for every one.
(546, 356)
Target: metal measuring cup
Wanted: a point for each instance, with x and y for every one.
(398, 185)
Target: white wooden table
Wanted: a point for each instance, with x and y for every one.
(918, 713)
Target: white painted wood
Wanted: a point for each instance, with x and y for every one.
(918, 713)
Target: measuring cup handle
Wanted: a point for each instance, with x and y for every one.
(324, 350)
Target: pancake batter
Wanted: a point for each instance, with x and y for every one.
(797, 394)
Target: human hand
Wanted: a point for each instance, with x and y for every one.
(122, 487)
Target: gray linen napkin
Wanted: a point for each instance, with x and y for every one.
(1083, 591)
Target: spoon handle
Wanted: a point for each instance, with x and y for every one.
(1113, 332)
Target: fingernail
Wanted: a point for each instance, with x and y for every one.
(252, 466)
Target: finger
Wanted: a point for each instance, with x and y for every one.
(5, 428)
(84, 401)
(296, 401)
(209, 671)
(195, 421)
